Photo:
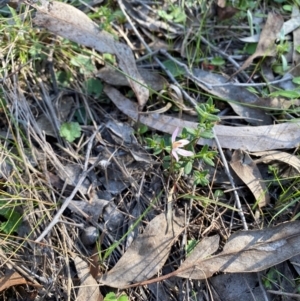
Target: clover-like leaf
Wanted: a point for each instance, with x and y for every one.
(70, 131)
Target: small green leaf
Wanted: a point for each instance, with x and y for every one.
(11, 215)
(110, 297)
(217, 61)
(286, 93)
(250, 48)
(190, 246)
(70, 131)
(200, 178)
(13, 220)
(164, 15)
(94, 87)
(218, 193)
(84, 63)
(12, 224)
(287, 7)
(123, 298)
(207, 135)
(36, 50)
(252, 90)
(250, 21)
(278, 69)
(296, 80)
(174, 68)
(267, 284)
(109, 58)
(190, 131)
(142, 129)
(15, 16)
(178, 15)
(284, 63)
(188, 168)
(157, 152)
(63, 77)
(150, 142)
(208, 161)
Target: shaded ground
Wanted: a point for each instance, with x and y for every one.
(94, 202)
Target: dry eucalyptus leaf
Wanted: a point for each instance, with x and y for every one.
(97, 207)
(113, 186)
(247, 251)
(289, 26)
(69, 22)
(139, 154)
(73, 172)
(89, 288)
(248, 172)
(114, 77)
(284, 157)
(250, 138)
(235, 95)
(90, 210)
(206, 247)
(11, 279)
(266, 45)
(276, 102)
(147, 254)
(121, 130)
(45, 125)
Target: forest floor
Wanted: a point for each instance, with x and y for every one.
(149, 150)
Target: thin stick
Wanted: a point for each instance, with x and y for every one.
(66, 203)
(29, 275)
(284, 294)
(236, 196)
(264, 293)
(225, 55)
(173, 80)
(189, 73)
(210, 86)
(274, 82)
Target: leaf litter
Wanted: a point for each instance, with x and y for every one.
(245, 251)
(69, 22)
(89, 287)
(266, 45)
(147, 254)
(253, 139)
(248, 172)
(104, 184)
(250, 251)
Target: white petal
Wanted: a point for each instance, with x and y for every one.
(184, 153)
(182, 142)
(174, 154)
(174, 135)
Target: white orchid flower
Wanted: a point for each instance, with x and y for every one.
(177, 146)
